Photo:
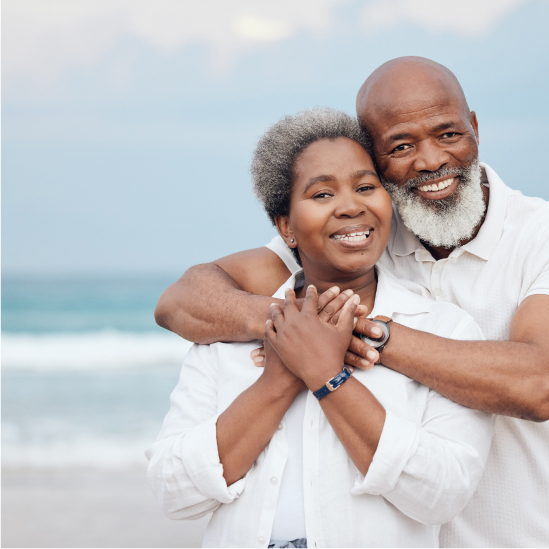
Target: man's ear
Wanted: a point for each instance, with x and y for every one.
(474, 123)
(285, 230)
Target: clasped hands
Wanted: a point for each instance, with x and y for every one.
(311, 345)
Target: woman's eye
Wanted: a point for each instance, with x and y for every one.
(321, 195)
(366, 188)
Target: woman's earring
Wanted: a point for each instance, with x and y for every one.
(292, 240)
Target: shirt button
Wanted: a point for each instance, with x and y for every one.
(438, 292)
(261, 539)
(280, 427)
(274, 480)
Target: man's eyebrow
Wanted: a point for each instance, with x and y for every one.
(444, 126)
(398, 137)
(407, 135)
(318, 179)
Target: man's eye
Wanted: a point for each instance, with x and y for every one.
(401, 148)
(449, 134)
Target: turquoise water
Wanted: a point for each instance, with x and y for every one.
(77, 305)
(86, 373)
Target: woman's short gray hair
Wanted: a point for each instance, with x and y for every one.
(277, 151)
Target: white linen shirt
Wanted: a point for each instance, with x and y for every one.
(489, 277)
(427, 465)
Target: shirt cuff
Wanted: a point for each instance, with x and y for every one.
(200, 457)
(398, 442)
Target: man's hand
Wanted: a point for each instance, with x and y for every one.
(330, 304)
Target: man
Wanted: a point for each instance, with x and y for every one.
(459, 235)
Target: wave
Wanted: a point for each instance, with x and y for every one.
(89, 451)
(92, 351)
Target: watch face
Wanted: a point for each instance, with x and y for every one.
(376, 343)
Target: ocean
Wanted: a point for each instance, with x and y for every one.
(86, 372)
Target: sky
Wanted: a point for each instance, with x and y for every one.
(128, 126)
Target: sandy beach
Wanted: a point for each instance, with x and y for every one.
(88, 508)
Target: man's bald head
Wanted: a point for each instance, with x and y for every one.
(407, 84)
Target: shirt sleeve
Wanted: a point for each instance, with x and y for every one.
(538, 271)
(184, 471)
(278, 246)
(429, 471)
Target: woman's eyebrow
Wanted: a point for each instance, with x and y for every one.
(362, 173)
(318, 179)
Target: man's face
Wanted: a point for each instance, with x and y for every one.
(418, 138)
(426, 149)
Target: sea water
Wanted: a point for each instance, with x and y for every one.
(86, 373)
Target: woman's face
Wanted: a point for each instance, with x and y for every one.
(340, 214)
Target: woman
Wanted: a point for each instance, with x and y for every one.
(278, 455)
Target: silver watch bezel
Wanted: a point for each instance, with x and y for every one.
(376, 343)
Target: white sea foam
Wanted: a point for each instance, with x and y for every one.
(88, 451)
(105, 350)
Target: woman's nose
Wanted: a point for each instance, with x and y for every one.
(349, 205)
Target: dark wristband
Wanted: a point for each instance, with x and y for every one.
(334, 383)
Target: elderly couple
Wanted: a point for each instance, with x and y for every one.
(370, 420)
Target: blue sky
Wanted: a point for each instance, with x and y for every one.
(128, 125)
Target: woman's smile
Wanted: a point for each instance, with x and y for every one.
(355, 237)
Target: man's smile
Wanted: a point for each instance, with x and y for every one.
(437, 189)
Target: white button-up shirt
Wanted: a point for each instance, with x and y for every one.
(427, 465)
(489, 277)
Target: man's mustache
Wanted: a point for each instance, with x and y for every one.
(425, 178)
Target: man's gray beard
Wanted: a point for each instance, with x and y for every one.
(446, 222)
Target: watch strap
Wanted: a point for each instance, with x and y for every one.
(334, 383)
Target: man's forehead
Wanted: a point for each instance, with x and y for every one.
(408, 89)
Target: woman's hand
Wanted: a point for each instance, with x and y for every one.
(312, 349)
(276, 374)
(330, 304)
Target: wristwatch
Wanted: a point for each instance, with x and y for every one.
(379, 344)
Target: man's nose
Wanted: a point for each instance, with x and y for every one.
(430, 157)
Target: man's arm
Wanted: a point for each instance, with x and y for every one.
(226, 300)
(503, 377)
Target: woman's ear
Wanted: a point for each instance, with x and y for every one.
(285, 230)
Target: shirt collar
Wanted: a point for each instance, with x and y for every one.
(391, 296)
(490, 233)
(403, 242)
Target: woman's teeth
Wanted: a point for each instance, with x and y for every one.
(435, 187)
(352, 237)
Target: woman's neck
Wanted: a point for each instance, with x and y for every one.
(364, 285)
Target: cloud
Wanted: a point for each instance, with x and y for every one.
(44, 37)
(468, 17)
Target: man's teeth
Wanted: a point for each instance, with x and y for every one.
(352, 237)
(435, 187)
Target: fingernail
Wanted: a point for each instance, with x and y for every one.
(254, 353)
(348, 292)
(372, 355)
(364, 363)
(356, 300)
(258, 360)
(273, 305)
(334, 289)
(376, 331)
(355, 321)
